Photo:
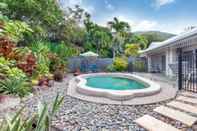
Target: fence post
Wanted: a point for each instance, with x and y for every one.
(180, 69)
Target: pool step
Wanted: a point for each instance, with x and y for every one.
(152, 124)
(187, 99)
(176, 115)
(183, 106)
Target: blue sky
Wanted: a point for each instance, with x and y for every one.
(164, 15)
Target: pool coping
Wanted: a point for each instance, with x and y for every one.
(153, 87)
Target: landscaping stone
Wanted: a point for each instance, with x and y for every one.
(76, 114)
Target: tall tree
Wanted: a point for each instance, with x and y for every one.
(119, 30)
(97, 38)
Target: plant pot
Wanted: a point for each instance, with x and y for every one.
(3, 98)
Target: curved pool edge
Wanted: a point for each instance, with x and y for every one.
(117, 94)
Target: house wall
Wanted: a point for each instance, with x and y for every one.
(155, 62)
(188, 43)
(171, 57)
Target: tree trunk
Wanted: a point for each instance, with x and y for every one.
(114, 54)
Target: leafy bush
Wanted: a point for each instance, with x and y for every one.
(6, 47)
(110, 68)
(15, 85)
(41, 53)
(132, 49)
(120, 64)
(28, 64)
(61, 49)
(15, 30)
(13, 80)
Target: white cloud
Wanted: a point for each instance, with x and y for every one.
(136, 25)
(145, 25)
(109, 6)
(159, 3)
(71, 3)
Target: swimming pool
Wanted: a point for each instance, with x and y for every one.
(113, 83)
(116, 86)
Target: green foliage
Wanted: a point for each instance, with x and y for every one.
(41, 51)
(62, 50)
(132, 49)
(137, 39)
(15, 85)
(13, 80)
(15, 73)
(42, 119)
(110, 68)
(120, 64)
(43, 13)
(7, 69)
(154, 36)
(15, 30)
(98, 39)
(120, 29)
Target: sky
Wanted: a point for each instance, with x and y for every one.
(171, 16)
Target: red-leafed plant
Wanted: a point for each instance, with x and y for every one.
(6, 47)
(28, 64)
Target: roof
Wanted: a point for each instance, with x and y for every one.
(89, 53)
(170, 41)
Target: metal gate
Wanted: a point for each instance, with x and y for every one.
(187, 70)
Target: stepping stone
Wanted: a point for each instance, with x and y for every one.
(176, 115)
(152, 124)
(183, 106)
(190, 94)
(187, 99)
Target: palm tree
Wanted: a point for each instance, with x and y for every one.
(119, 30)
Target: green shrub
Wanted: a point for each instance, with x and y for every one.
(110, 68)
(17, 86)
(7, 69)
(120, 64)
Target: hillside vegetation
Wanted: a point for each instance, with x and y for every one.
(152, 36)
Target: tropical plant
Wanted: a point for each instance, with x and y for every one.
(6, 47)
(44, 13)
(132, 50)
(38, 122)
(98, 39)
(15, 73)
(15, 30)
(120, 30)
(15, 85)
(137, 39)
(120, 64)
(41, 52)
(28, 64)
(62, 50)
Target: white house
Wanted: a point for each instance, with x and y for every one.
(163, 56)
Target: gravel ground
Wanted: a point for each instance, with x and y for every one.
(78, 115)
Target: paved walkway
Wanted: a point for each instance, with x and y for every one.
(182, 109)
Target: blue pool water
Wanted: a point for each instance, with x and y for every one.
(113, 83)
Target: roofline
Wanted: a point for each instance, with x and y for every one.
(166, 43)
